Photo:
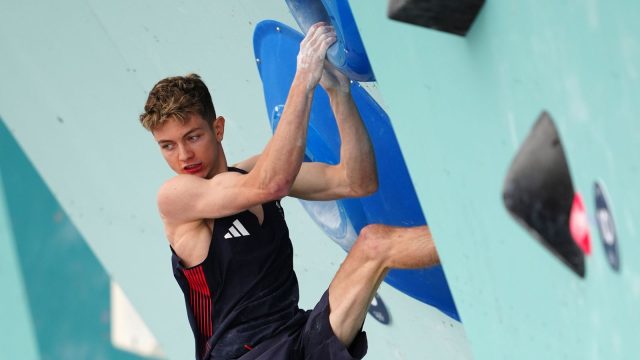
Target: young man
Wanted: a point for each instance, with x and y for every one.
(232, 256)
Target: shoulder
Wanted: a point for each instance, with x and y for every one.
(172, 192)
(178, 185)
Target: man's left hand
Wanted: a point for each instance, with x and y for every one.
(333, 80)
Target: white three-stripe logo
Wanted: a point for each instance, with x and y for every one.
(236, 230)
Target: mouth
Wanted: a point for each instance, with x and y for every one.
(192, 168)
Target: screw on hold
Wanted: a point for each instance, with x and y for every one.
(278, 28)
(258, 60)
(606, 226)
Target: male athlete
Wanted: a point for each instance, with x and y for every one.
(232, 256)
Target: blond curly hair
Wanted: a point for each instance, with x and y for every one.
(175, 98)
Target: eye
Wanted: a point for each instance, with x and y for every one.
(167, 146)
(194, 138)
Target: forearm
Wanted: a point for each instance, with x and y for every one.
(357, 159)
(281, 159)
(280, 162)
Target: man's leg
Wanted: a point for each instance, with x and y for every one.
(377, 249)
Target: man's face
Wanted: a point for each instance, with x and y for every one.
(192, 147)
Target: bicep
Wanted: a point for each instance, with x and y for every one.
(187, 198)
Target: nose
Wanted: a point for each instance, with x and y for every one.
(184, 153)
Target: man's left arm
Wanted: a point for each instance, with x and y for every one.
(356, 174)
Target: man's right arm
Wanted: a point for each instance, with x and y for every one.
(187, 198)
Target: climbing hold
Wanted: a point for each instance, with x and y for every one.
(538, 192)
(379, 311)
(606, 226)
(579, 224)
(347, 54)
(452, 16)
(395, 202)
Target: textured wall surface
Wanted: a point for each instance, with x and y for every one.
(461, 107)
(74, 77)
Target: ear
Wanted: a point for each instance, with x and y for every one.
(218, 128)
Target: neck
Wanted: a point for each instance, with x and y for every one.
(221, 164)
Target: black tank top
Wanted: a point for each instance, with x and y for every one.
(245, 291)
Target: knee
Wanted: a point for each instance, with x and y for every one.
(372, 243)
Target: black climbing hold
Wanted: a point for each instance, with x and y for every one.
(452, 16)
(606, 226)
(538, 192)
(379, 311)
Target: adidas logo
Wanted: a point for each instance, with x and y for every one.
(236, 230)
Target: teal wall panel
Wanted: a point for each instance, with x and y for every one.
(461, 107)
(75, 75)
(67, 289)
(17, 336)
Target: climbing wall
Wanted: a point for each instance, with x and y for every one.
(82, 247)
(463, 107)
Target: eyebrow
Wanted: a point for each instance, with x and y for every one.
(183, 136)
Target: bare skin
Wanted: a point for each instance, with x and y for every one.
(188, 203)
(378, 249)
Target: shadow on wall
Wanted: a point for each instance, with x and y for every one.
(68, 290)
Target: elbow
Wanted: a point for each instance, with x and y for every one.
(278, 188)
(267, 186)
(364, 188)
(358, 182)
(372, 186)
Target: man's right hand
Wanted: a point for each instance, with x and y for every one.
(313, 50)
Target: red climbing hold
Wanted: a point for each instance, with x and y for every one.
(579, 224)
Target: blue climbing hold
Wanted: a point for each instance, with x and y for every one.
(395, 203)
(348, 53)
